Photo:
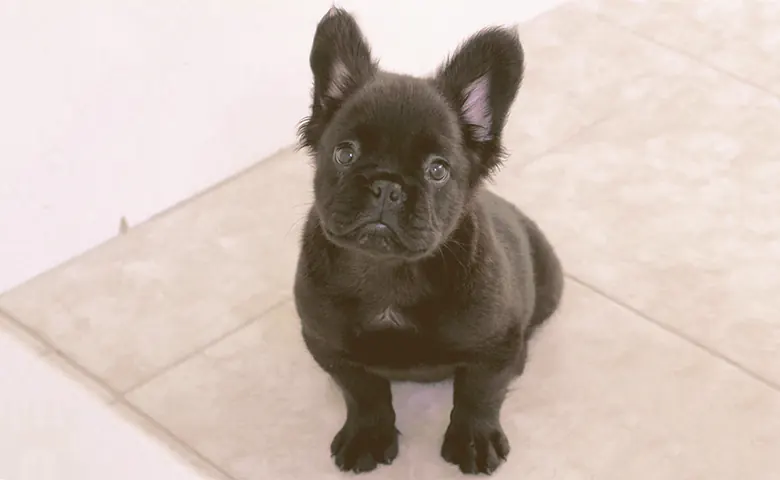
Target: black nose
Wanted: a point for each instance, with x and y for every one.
(388, 192)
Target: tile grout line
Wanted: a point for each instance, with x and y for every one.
(52, 348)
(117, 396)
(608, 115)
(49, 347)
(690, 56)
(173, 437)
(677, 333)
(569, 138)
(535, 158)
(143, 382)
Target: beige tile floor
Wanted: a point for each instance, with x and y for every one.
(646, 142)
(53, 428)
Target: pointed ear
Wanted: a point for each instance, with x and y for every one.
(341, 62)
(481, 81)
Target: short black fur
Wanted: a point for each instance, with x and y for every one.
(410, 269)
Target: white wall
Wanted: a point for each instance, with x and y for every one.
(112, 109)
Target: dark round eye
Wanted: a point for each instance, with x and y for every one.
(345, 154)
(438, 170)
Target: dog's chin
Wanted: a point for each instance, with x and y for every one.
(378, 241)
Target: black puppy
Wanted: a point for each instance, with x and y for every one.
(409, 269)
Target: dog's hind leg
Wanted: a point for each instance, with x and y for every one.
(548, 277)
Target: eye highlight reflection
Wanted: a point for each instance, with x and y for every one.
(346, 153)
(437, 170)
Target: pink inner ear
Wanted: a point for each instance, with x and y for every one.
(476, 108)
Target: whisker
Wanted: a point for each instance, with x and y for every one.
(448, 246)
(294, 225)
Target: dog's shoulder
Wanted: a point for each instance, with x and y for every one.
(504, 273)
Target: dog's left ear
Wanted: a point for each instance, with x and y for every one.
(481, 81)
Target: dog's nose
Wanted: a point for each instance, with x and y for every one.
(388, 193)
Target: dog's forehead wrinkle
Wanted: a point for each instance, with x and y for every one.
(410, 103)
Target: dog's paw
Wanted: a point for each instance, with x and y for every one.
(475, 446)
(361, 446)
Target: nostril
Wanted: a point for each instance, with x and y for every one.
(392, 192)
(376, 189)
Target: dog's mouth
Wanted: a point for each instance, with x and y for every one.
(371, 235)
(374, 237)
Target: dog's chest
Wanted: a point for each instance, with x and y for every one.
(389, 318)
(396, 338)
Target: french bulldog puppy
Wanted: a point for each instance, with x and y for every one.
(409, 269)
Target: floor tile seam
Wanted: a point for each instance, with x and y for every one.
(618, 110)
(698, 60)
(28, 330)
(204, 346)
(713, 352)
(116, 397)
(568, 139)
(172, 437)
(52, 349)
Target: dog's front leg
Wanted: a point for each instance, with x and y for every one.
(369, 436)
(474, 440)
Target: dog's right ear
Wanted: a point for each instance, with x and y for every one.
(341, 62)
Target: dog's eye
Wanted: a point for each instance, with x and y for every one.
(438, 170)
(345, 154)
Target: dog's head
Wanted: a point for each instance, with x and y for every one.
(398, 158)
